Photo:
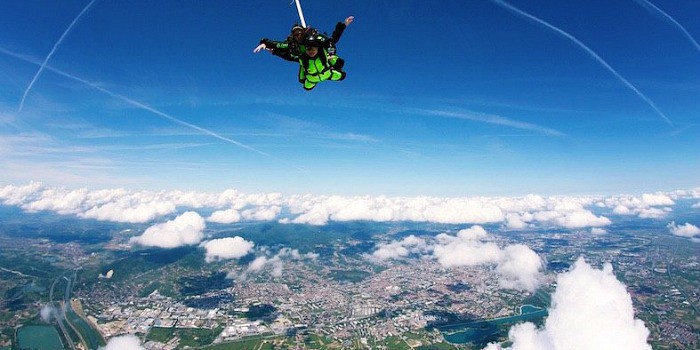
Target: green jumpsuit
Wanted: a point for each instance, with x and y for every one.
(316, 69)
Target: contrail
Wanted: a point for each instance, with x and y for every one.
(648, 4)
(589, 51)
(491, 119)
(53, 50)
(140, 105)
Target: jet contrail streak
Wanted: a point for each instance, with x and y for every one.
(491, 119)
(53, 50)
(140, 105)
(648, 4)
(589, 51)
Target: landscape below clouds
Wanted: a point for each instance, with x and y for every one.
(453, 233)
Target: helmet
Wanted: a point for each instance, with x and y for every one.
(315, 41)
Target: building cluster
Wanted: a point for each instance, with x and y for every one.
(395, 301)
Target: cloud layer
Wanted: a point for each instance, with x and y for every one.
(590, 309)
(231, 206)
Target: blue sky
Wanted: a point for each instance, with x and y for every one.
(444, 98)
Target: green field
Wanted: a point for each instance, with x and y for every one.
(191, 337)
(246, 344)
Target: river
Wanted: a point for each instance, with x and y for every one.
(482, 332)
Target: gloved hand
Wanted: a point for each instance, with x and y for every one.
(259, 47)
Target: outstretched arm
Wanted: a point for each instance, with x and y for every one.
(277, 48)
(339, 28)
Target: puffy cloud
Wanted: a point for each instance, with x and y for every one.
(320, 210)
(656, 200)
(186, 229)
(646, 206)
(622, 210)
(515, 221)
(276, 262)
(257, 264)
(17, 195)
(598, 231)
(399, 249)
(227, 248)
(687, 230)
(590, 309)
(47, 311)
(126, 211)
(582, 218)
(58, 200)
(225, 216)
(696, 205)
(519, 266)
(124, 342)
(653, 213)
(465, 253)
(262, 213)
(474, 233)
(456, 211)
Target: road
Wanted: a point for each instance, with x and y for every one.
(61, 312)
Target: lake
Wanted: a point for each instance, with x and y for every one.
(39, 337)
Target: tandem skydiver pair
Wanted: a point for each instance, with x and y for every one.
(315, 52)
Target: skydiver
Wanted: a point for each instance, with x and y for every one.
(317, 64)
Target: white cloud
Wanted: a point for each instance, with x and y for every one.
(232, 206)
(579, 219)
(399, 249)
(598, 231)
(257, 264)
(17, 195)
(465, 253)
(276, 262)
(320, 210)
(518, 266)
(47, 311)
(656, 200)
(125, 211)
(225, 216)
(58, 200)
(227, 248)
(515, 221)
(124, 342)
(653, 213)
(261, 213)
(474, 233)
(696, 205)
(687, 230)
(646, 206)
(622, 210)
(591, 309)
(186, 229)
